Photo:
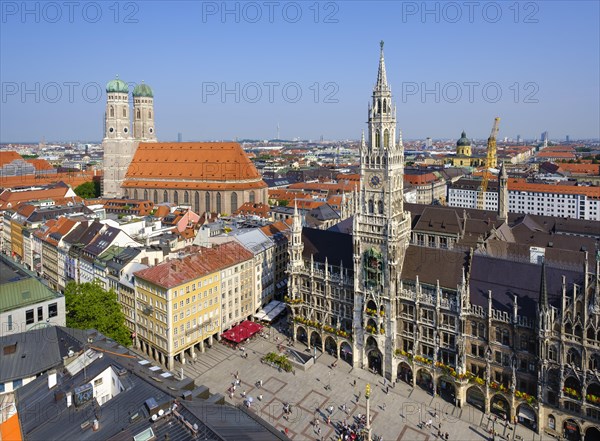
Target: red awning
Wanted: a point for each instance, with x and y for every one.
(242, 332)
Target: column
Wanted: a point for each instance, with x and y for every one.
(182, 357)
(171, 362)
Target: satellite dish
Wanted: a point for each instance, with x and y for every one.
(161, 412)
(154, 417)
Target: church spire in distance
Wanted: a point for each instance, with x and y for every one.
(382, 84)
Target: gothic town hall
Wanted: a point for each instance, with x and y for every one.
(494, 310)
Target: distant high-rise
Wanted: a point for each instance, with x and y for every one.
(428, 143)
(179, 137)
(544, 136)
(518, 139)
(568, 138)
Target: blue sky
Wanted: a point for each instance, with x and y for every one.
(543, 57)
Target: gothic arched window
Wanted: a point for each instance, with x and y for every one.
(197, 202)
(137, 114)
(218, 202)
(165, 196)
(135, 194)
(377, 139)
(386, 138)
(124, 112)
(145, 195)
(175, 197)
(149, 113)
(371, 206)
(380, 207)
(573, 357)
(252, 197)
(186, 197)
(207, 202)
(234, 202)
(378, 106)
(594, 363)
(156, 196)
(384, 105)
(111, 111)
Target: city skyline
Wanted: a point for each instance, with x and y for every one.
(316, 69)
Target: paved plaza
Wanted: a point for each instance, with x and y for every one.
(397, 415)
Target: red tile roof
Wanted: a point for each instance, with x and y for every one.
(580, 169)
(194, 165)
(74, 179)
(209, 260)
(253, 209)
(274, 228)
(520, 185)
(556, 154)
(12, 199)
(425, 178)
(40, 164)
(8, 156)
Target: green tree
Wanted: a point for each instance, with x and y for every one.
(90, 306)
(88, 190)
(283, 202)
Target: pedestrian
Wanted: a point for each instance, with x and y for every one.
(387, 390)
(447, 436)
(354, 382)
(287, 432)
(260, 383)
(383, 406)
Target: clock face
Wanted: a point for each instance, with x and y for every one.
(375, 181)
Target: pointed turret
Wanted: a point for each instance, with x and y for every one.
(543, 289)
(503, 194)
(382, 84)
(297, 222)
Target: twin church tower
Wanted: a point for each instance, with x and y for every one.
(120, 142)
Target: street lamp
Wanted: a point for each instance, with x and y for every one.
(368, 416)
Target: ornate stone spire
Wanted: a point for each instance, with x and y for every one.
(382, 83)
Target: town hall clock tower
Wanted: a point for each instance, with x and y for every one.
(381, 232)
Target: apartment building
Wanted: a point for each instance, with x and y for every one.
(573, 201)
(180, 304)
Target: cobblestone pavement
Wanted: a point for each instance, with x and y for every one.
(397, 415)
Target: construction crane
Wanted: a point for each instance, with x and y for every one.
(491, 161)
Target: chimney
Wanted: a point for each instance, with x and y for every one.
(51, 379)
